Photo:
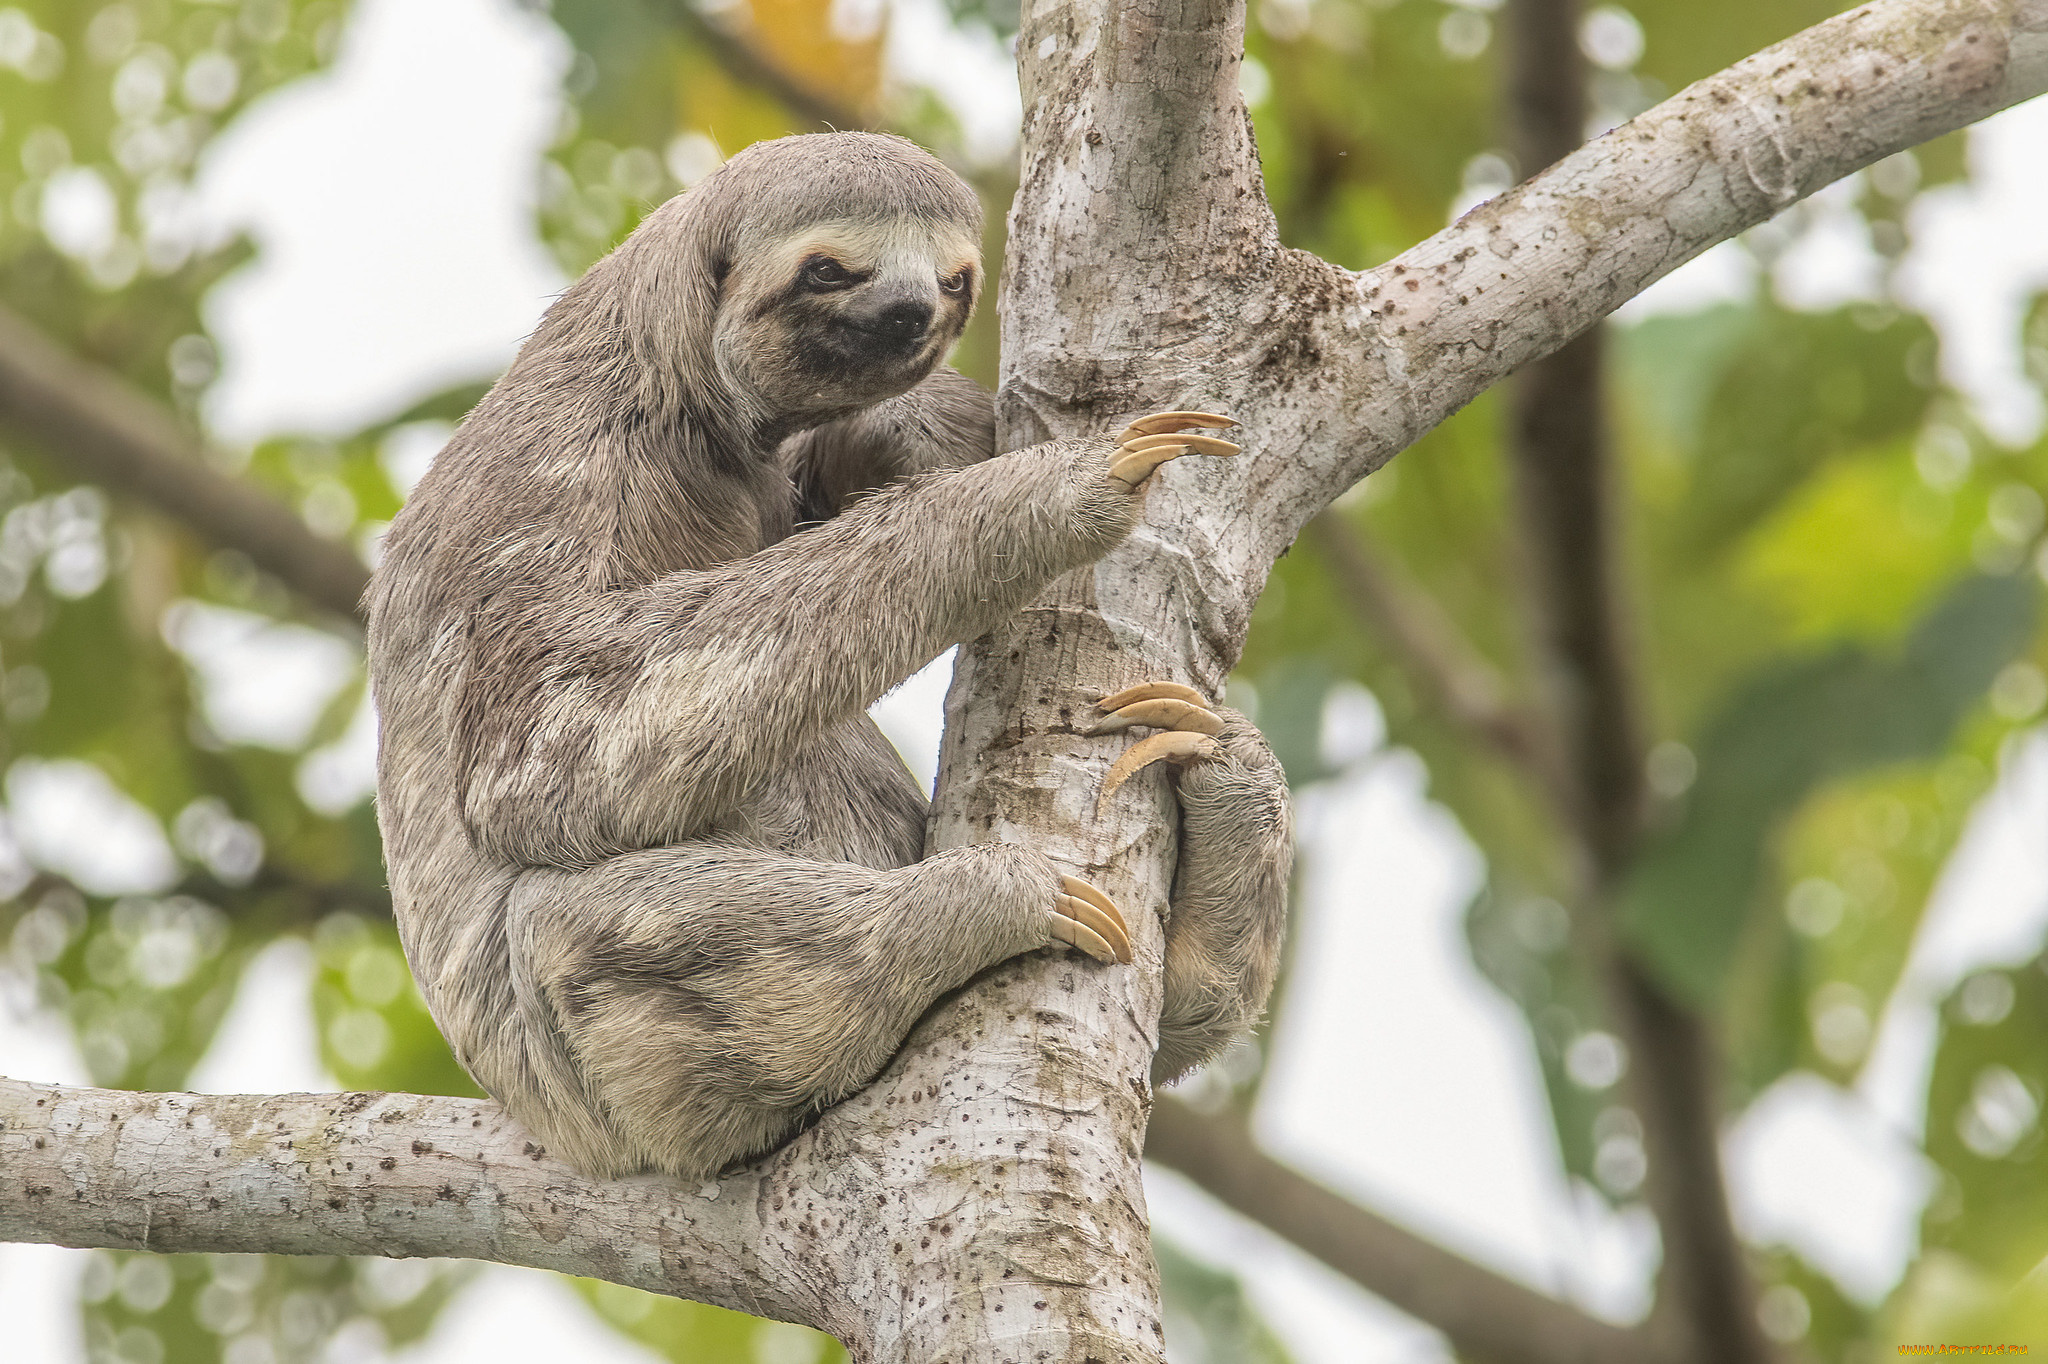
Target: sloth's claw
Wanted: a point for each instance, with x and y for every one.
(1201, 445)
(1173, 421)
(1149, 691)
(1182, 712)
(1086, 918)
(1147, 443)
(1174, 746)
(1163, 712)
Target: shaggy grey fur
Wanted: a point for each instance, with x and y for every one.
(656, 872)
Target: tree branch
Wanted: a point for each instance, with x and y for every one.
(373, 1174)
(1147, 274)
(1336, 371)
(1485, 1316)
(1561, 454)
(97, 425)
(744, 63)
(1429, 646)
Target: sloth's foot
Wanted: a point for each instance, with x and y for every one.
(1181, 713)
(1146, 444)
(1086, 918)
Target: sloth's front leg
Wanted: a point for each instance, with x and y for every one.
(1237, 846)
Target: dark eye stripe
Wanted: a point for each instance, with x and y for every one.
(825, 273)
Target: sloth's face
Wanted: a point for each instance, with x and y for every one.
(843, 315)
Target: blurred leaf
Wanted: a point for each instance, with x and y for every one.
(1291, 717)
(1756, 398)
(693, 1333)
(1856, 864)
(375, 1031)
(1836, 1327)
(221, 1309)
(1946, 1298)
(1684, 42)
(1796, 725)
(1984, 1122)
(1791, 559)
(1526, 943)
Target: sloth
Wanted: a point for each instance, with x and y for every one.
(660, 878)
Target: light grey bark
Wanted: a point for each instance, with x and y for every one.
(981, 1200)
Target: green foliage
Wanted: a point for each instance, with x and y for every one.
(1782, 734)
(1754, 400)
(375, 1032)
(1983, 1229)
(209, 1308)
(692, 1333)
(1984, 1121)
(1830, 573)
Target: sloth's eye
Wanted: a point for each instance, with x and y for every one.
(957, 284)
(825, 273)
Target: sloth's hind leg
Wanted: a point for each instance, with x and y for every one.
(709, 998)
(1236, 849)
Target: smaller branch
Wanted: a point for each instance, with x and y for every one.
(307, 900)
(1561, 450)
(1407, 343)
(1430, 647)
(1706, 1295)
(396, 1175)
(744, 63)
(1484, 1315)
(102, 428)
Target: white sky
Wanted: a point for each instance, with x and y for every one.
(391, 198)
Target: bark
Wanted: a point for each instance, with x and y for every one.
(981, 1200)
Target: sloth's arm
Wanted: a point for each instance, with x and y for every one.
(638, 717)
(946, 422)
(1236, 850)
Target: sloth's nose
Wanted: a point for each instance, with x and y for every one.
(904, 320)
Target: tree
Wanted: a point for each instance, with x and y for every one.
(997, 1161)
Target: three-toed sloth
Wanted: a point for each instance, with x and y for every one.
(660, 878)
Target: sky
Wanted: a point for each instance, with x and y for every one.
(391, 199)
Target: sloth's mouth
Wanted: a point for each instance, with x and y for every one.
(878, 347)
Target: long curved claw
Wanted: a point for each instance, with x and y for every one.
(1173, 421)
(1163, 712)
(1201, 445)
(1150, 691)
(1076, 934)
(1089, 920)
(1174, 746)
(1146, 444)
